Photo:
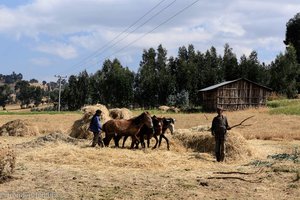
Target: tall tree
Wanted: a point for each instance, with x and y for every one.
(229, 64)
(284, 72)
(292, 35)
(165, 78)
(5, 91)
(147, 77)
(212, 73)
(117, 84)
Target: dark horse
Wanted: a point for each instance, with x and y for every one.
(166, 123)
(160, 126)
(121, 127)
(147, 132)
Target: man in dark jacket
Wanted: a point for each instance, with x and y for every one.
(218, 130)
(95, 127)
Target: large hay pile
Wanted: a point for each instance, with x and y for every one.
(80, 127)
(164, 108)
(7, 162)
(18, 128)
(169, 109)
(50, 138)
(120, 113)
(201, 140)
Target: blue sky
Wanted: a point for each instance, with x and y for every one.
(42, 38)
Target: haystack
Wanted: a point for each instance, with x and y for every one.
(201, 140)
(164, 108)
(7, 162)
(18, 128)
(173, 109)
(80, 127)
(120, 113)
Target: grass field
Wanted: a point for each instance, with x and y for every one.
(60, 169)
(288, 107)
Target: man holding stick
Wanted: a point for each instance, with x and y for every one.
(219, 131)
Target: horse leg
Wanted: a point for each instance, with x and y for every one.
(156, 141)
(142, 141)
(133, 141)
(160, 138)
(124, 140)
(117, 139)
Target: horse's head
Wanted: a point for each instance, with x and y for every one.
(147, 119)
(169, 123)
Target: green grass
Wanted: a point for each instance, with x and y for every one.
(285, 106)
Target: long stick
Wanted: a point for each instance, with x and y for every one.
(241, 123)
(238, 178)
(244, 173)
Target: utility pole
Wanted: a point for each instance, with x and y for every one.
(59, 92)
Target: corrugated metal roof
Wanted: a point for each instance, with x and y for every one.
(217, 85)
(227, 82)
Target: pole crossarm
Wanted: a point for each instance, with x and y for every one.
(59, 93)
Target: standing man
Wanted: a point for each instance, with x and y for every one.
(95, 127)
(219, 129)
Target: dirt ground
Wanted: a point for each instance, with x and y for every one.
(58, 167)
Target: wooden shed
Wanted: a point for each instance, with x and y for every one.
(234, 95)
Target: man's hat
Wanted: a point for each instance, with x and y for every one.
(220, 109)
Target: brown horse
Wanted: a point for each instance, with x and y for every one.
(122, 127)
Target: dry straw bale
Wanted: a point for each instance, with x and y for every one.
(7, 162)
(80, 127)
(120, 113)
(164, 108)
(18, 128)
(173, 109)
(200, 139)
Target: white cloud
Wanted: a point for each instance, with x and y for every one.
(59, 49)
(86, 25)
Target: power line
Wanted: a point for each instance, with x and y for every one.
(188, 6)
(109, 42)
(152, 17)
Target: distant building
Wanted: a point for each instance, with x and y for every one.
(234, 95)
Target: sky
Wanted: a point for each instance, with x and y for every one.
(44, 38)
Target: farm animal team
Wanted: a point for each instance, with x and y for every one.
(145, 126)
(138, 128)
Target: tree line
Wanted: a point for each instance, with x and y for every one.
(162, 80)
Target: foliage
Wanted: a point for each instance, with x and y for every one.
(286, 106)
(13, 78)
(284, 72)
(180, 99)
(28, 94)
(292, 35)
(5, 91)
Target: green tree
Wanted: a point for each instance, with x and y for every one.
(146, 88)
(212, 72)
(116, 84)
(292, 35)
(5, 91)
(229, 64)
(28, 94)
(284, 72)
